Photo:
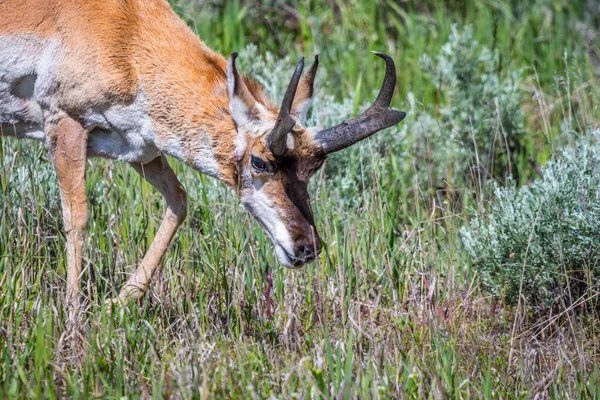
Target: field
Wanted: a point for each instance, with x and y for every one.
(395, 306)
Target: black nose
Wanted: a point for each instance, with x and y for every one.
(308, 249)
(304, 251)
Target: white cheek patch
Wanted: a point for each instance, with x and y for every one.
(264, 210)
(258, 184)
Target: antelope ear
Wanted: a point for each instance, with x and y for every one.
(304, 93)
(243, 106)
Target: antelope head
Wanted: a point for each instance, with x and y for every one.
(277, 155)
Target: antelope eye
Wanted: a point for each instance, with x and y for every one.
(258, 164)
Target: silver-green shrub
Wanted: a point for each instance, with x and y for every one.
(542, 242)
(480, 126)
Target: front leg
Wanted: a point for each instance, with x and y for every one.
(160, 175)
(68, 147)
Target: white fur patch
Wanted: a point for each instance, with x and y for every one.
(255, 128)
(301, 110)
(28, 70)
(290, 142)
(205, 160)
(241, 145)
(125, 132)
(240, 112)
(28, 81)
(173, 148)
(263, 209)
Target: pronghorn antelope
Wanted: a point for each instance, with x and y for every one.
(128, 80)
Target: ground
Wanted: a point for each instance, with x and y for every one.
(394, 307)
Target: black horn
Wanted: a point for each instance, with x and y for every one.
(379, 116)
(276, 140)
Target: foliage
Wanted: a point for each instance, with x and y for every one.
(480, 128)
(391, 309)
(541, 242)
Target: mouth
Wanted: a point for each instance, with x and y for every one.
(288, 260)
(298, 262)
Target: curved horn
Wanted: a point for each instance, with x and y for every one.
(277, 137)
(379, 116)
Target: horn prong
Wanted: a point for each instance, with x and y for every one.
(276, 140)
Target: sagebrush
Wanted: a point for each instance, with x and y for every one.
(541, 242)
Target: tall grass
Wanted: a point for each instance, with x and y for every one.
(393, 307)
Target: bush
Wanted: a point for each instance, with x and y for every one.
(547, 234)
(479, 131)
(476, 132)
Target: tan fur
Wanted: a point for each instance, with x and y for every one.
(160, 175)
(68, 148)
(108, 29)
(114, 46)
(112, 50)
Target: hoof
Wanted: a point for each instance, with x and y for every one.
(111, 304)
(127, 295)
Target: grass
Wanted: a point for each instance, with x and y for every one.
(393, 307)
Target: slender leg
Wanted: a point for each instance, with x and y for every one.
(68, 146)
(160, 175)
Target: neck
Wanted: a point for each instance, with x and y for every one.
(184, 84)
